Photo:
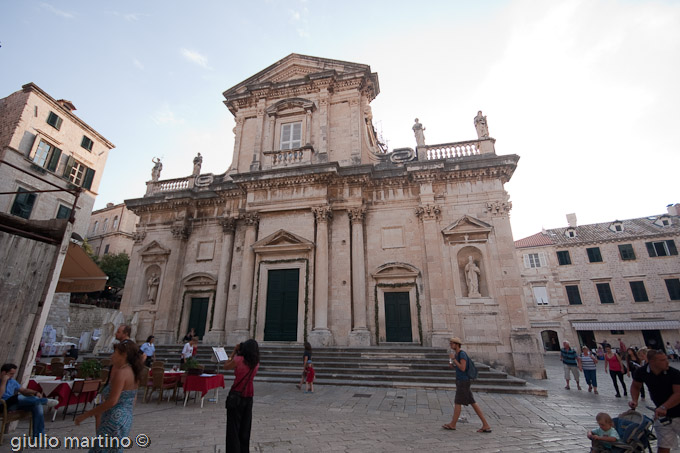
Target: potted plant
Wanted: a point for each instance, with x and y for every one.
(192, 366)
(89, 369)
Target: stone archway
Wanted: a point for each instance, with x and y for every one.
(397, 304)
(550, 340)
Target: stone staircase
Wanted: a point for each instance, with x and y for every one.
(397, 366)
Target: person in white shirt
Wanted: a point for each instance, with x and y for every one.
(149, 351)
(187, 352)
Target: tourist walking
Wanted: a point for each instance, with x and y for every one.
(245, 361)
(569, 358)
(459, 360)
(306, 357)
(114, 415)
(633, 362)
(588, 364)
(149, 351)
(663, 383)
(614, 364)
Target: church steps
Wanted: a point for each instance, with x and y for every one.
(401, 366)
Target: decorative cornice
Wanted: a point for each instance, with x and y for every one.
(139, 236)
(322, 213)
(181, 229)
(429, 212)
(499, 208)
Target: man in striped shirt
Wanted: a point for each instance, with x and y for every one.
(569, 359)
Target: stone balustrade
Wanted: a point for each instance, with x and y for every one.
(169, 185)
(456, 150)
(288, 157)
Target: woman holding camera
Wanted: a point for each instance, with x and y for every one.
(245, 361)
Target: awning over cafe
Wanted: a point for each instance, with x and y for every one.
(80, 274)
(627, 325)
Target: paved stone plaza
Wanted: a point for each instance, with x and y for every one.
(364, 419)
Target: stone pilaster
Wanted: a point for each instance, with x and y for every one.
(238, 130)
(360, 336)
(436, 315)
(216, 335)
(242, 331)
(320, 335)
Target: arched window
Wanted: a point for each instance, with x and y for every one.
(106, 224)
(115, 223)
(96, 225)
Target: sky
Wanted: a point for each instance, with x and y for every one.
(586, 92)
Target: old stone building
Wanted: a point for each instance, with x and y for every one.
(111, 230)
(43, 136)
(316, 233)
(590, 283)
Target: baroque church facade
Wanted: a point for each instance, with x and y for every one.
(317, 233)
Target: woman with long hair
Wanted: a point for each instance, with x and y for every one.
(614, 364)
(114, 416)
(245, 361)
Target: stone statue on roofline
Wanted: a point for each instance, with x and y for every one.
(418, 132)
(198, 160)
(156, 170)
(481, 126)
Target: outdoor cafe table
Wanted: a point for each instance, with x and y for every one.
(52, 387)
(203, 383)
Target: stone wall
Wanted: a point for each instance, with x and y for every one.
(72, 320)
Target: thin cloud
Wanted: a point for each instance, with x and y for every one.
(195, 57)
(138, 64)
(130, 17)
(56, 11)
(165, 116)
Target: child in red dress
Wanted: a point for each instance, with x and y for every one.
(309, 370)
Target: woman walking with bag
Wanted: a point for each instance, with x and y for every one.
(614, 364)
(245, 361)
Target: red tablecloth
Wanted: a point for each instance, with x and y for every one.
(203, 383)
(62, 393)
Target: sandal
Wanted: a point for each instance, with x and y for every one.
(567, 388)
(484, 430)
(448, 427)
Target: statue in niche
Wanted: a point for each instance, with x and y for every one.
(418, 131)
(472, 273)
(152, 287)
(198, 160)
(481, 126)
(156, 170)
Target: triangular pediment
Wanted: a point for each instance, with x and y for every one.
(296, 67)
(154, 249)
(389, 271)
(467, 229)
(282, 240)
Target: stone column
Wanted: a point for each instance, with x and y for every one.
(242, 331)
(238, 129)
(436, 315)
(324, 125)
(360, 336)
(320, 335)
(216, 334)
(259, 136)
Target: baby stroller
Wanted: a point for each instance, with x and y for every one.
(635, 431)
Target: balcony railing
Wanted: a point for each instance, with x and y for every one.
(288, 157)
(456, 150)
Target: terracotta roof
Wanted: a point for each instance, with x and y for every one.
(536, 240)
(601, 232)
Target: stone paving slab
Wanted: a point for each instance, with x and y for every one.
(373, 419)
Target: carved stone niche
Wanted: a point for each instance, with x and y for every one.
(154, 259)
(466, 230)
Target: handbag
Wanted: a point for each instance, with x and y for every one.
(234, 397)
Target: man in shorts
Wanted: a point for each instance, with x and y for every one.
(459, 360)
(663, 383)
(570, 361)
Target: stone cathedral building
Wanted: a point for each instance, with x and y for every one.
(316, 233)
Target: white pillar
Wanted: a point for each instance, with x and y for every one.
(242, 331)
(320, 335)
(216, 334)
(360, 336)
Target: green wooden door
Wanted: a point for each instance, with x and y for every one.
(198, 315)
(282, 305)
(397, 317)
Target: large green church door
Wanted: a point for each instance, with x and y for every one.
(198, 315)
(397, 318)
(281, 318)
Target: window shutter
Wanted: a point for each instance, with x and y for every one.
(650, 249)
(54, 159)
(527, 264)
(70, 162)
(542, 259)
(672, 249)
(89, 176)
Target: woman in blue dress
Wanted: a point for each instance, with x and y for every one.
(114, 416)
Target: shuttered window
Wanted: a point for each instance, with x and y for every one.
(661, 248)
(533, 260)
(291, 135)
(594, 255)
(605, 293)
(573, 295)
(563, 257)
(639, 291)
(54, 120)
